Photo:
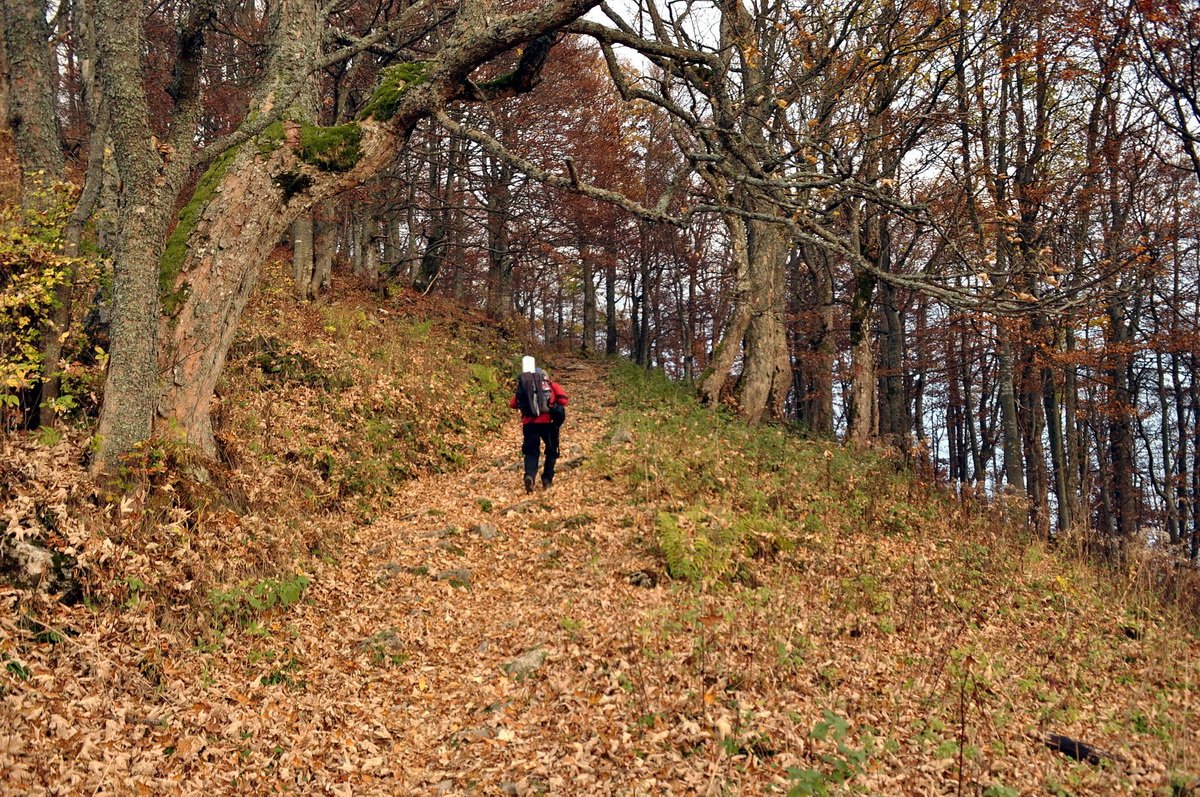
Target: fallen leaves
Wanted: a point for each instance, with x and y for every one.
(397, 684)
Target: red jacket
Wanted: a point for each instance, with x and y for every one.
(557, 396)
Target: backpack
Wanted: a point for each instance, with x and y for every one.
(533, 395)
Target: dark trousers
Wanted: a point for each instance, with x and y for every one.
(535, 434)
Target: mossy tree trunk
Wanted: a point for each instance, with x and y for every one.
(151, 179)
(248, 196)
(261, 189)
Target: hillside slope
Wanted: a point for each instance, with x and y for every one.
(694, 608)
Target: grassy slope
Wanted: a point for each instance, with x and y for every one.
(932, 632)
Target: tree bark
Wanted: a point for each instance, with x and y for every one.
(302, 257)
(500, 261)
(819, 393)
(1121, 409)
(1014, 475)
(766, 375)
(324, 238)
(32, 90)
(151, 179)
(370, 245)
(588, 346)
(893, 405)
(712, 381)
(861, 421)
(1058, 450)
(10, 169)
(610, 303)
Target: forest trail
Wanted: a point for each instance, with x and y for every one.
(404, 673)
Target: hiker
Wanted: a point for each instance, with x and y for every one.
(542, 404)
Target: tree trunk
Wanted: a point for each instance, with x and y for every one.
(391, 245)
(354, 241)
(499, 274)
(1058, 451)
(302, 257)
(861, 421)
(324, 238)
(893, 406)
(150, 183)
(32, 92)
(588, 346)
(370, 245)
(712, 381)
(610, 303)
(766, 375)
(819, 399)
(245, 202)
(10, 170)
(131, 387)
(1121, 409)
(1014, 476)
(60, 322)
(1076, 460)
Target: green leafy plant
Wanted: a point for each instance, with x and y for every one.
(34, 276)
(241, 603)
(839, 766)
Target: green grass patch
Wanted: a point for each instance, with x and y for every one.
(727, 494)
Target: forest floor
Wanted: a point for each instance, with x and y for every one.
(477, 640)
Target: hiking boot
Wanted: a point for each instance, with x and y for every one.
(529, 484)
(546, 483)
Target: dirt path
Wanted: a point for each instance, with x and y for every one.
(405, 676)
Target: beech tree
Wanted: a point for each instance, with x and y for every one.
(259, 179)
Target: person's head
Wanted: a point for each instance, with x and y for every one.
(545, 377)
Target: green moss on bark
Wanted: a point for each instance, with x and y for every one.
(270, 139)
(394, 82)
(330, 149)
(176, 249)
